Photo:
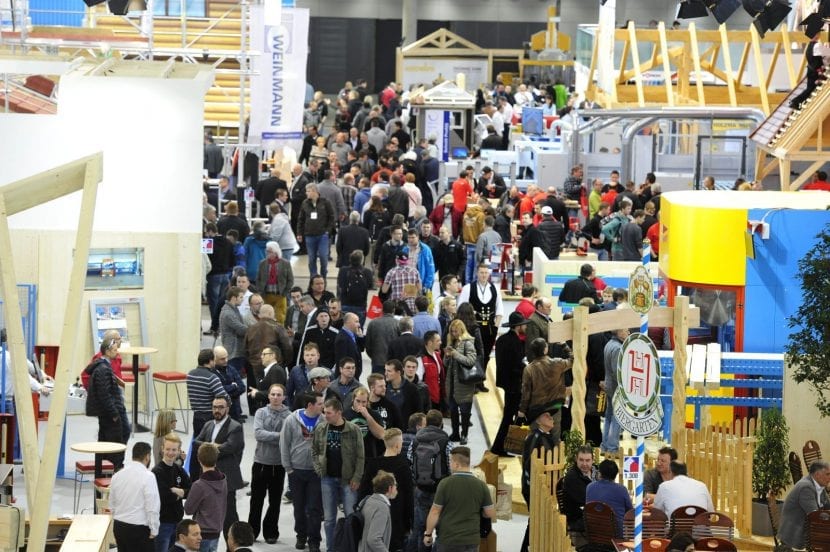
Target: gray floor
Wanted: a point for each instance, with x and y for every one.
(81, 428)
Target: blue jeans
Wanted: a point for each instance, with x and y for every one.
(317, 247)
(423, 503)
(287, 254)
(209, 545)
(166, 537)
(470, 269)
(335, 492)
(305, 489)
(610, 430)
(217, 287)
(602, 254)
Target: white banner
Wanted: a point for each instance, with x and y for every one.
(437, 123)
(278, 88)
(425, 70)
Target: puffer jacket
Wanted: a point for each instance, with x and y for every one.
(104, 398)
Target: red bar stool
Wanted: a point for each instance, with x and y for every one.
(82, 468)
(174, 380)
(127, 378)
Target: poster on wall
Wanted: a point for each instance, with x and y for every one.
(278, 83)
(437, 123)
(425, 70)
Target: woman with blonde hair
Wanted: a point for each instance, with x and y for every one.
(165, 423)
(459, 354)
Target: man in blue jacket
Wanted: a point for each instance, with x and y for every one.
(420, 258)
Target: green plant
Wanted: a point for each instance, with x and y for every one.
(573, 440)
(808, 348)
(770, 472)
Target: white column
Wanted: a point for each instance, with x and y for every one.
(409, 22)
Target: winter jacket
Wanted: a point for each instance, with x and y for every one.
(463, 357)
(254, 252)
(543, 381)
(233, 329)
(321, 223)
(426, 265)
(553, 234)
(281, 232)
(351, 450)
(285, 277)
(104, 397)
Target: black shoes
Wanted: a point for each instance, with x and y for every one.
(455, 437)
(300, 543)
(271, 541)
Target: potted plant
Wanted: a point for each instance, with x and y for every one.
(770, 471)
(808, 347)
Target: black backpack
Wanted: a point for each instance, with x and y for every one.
(357, 284)
(429, 462)
(349, 530)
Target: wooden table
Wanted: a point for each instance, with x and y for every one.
(88, 534)
(99, 447)
(136, 352)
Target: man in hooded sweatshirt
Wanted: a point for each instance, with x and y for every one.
(207, 500)
(295, 449)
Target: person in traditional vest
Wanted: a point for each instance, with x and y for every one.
(487, 304)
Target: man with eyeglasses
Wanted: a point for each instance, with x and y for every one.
(226, 433)
(271, 374)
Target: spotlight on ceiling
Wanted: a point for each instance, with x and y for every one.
(767, 14)
(723, 9)
(813, 24)
(690, 9)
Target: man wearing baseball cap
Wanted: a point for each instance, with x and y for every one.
(510, 365)
(403, 282)
(552, 233)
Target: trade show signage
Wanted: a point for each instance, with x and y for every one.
(637, 398)
(278, 83)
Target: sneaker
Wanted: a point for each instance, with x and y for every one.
(300, 543)
(314, 547)
(455, 437)
(287, 499)
(463, 440)
(271, 541)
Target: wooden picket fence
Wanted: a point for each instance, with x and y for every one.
(548, 530)
(721, 457)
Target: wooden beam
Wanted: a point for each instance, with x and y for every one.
(788, 56)
(701, 98)
(664, 49)
(773, 62)
(635, 57)
(805, 174)
(682, 321)
(727, 63)
(580, 368)
(605, 321)
(46, 186)
(739, 77)
(759, 69)
(784, 167)
(68, 348)
(26, 418)
(623, 60)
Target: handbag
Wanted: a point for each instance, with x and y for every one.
(472, 375)
(592, 400)
(375, 308)
(514, 443)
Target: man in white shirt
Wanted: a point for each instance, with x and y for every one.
(486, 301)
(135, 504)
(682, 490)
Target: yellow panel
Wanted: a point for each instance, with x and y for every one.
(537, 41)
(703, 244)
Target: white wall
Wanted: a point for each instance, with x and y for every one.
(150, 131)
(440, 10)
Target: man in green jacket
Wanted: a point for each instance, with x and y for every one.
(338, 457)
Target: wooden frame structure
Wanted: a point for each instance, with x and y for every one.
(446, 44)
(682, 54)
(81, 175)
(680, 318)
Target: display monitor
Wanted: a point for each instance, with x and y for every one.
(460, 153)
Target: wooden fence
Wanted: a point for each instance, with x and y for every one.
(548, 530)
(720, 456)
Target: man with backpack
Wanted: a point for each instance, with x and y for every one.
(429, 456)
(353, 284)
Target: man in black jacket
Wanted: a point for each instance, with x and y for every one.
(351, 237)
(266, 191)
(398, 198)
(552, 234)
(490, 185)
(449, 254)
(510, 365)
(105, 401)
(576, 289)
(174, 484)
(576, 480)
(221, 265)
